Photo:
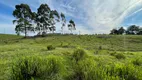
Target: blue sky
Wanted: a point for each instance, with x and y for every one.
(90, 16)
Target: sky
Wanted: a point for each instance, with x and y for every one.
(90, 16)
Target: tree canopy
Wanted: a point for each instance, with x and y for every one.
(24, 17)
(44, 19)
(132, 30)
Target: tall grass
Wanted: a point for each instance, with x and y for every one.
(50, 68)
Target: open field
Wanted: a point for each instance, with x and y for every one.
(71, 57)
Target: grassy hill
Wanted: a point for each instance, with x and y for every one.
(71, 57)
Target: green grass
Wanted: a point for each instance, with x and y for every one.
(72, 57)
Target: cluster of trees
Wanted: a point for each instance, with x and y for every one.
(42, 21)
(133, 30)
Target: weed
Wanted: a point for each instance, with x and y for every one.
(50, 47)
(120, 56)
(79, 54)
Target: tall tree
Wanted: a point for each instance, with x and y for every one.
(54, 17)
(114, 31)
(71, 25)
(63, 22)
(43, 18)
(121, 30)
(133, 29)
(140, 31)
(24, 17)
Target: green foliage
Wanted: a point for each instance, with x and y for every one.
(56, 69)
(69, 63)
(63, 22)
(120, 56)
(28, 68)
(124, 72)
(137, 61)
(131, 30)
(45, 18)
(79, 54)
(71, 25)
(100, 47)
(50, 47)
(24, 17)
(88, 69)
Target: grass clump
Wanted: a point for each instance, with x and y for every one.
(27, 68)
(36, 68)
(88, 69)
(123, 72)
(120, 56)
(79, 54)
(50, 47)
(55, 68)
(137, 61)
(81, 70)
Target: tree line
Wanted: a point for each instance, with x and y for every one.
(42, 21)
(131, 30)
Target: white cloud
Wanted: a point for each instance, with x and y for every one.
(100, 15)
(92, 16)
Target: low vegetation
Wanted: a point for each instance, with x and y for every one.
(85, 57)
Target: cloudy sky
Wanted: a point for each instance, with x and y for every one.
(90, 16)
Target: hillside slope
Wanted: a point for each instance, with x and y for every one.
(101, 52)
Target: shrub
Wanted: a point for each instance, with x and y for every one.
(137, 61)
(44, 34)
(30, 68)
(120, 56)
(27, 68)
(96, 52)
(50, 47)
(113, 53)
(87, 69)
(79, 54)
(55, 68)
(65, 46)
(100, 47)
(123, 72)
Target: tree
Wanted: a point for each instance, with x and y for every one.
(43, 18)
(114, 31)
(121, 30)
(24, 18)
(54, 17)
(71, 25)
(63, 22)
(140, 31)
(133, 29)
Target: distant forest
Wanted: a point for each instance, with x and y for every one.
(131, 30)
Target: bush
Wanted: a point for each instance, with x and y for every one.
(55, 68)
(79, 54)
(27, 68)
(120, 56)
(100, 47)
(44, 34)
(113, 53)
(30, 68)
(50, 47)
(137, 61)
(87, 69)
(123, 72)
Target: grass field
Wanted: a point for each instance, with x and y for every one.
(71, 57)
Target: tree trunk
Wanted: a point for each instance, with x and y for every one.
(25, 32)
